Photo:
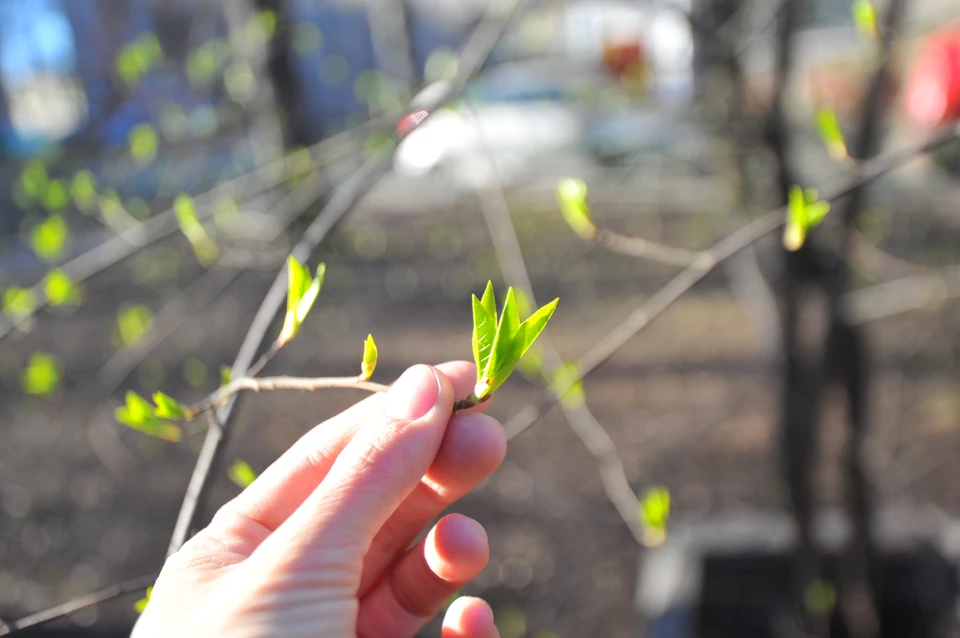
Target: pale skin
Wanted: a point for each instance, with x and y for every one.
(324, 542)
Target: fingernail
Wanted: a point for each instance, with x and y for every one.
(413, 394)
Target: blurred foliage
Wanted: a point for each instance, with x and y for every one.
(133, 321)
(511, 622)
(241, 474)
(42, 374)
(59, 289)
(49, 238)
(195, 372)
(18, 302)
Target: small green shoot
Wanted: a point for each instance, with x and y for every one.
(139, 414)
(572, 197)
(804, 212)
(302, 291)
(241, 474)
(369, 363)
(500, 342)
(831, 134)
(226, 375)
(170, 408)
(864, 17)
(654, 512)
(203, 247)
(141, 604)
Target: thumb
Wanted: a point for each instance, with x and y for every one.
(380, 466)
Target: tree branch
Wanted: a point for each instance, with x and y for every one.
(472, 57)
(266, 384)
(724, 249)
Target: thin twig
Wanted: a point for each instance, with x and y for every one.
(722, 250)
(79, 604)
(471, 59)
(639, 247)
(915, 292)
(265, 384)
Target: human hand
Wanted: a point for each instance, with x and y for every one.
(319, 544)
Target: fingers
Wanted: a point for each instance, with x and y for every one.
(473, 447)
(411, 593)
(286, 484)
(377, 469)
(469, 617)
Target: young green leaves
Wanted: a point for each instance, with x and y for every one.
(572, 197)
(140, 415)
(369, 363)
(499, 342)
(804, 212)
(831, 134)
(241, 474)
(654, 512)
(302, 291)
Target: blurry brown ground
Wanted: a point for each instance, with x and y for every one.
(691, 404)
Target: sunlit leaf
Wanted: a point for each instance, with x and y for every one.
(49, 237)
(484, 329)
(169, 408)
(654, 511)
(143, 143)
(804, 212)
(138, 413)
(141, 604)
(241, 474)
(511, 338)
(42, 374)
(831, 134)
(226, 375)
(133, 321)
(864, 17)
(203, 247)
(302, 291)
(572, 197)
(59, 289)
(19, 302)
(369, 363)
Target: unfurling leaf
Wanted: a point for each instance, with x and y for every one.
(203, 247)
(138, 414)
(572, 197)
(654, 513)
(831, 134)
(369, 363)
(302, 291)
(42, 374)
(170, 408)
(804, 212)
(241, 474)
(141, 604)
(500, 342)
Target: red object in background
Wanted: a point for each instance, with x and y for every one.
(409, 121)
(619, 57)
(933, 84)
